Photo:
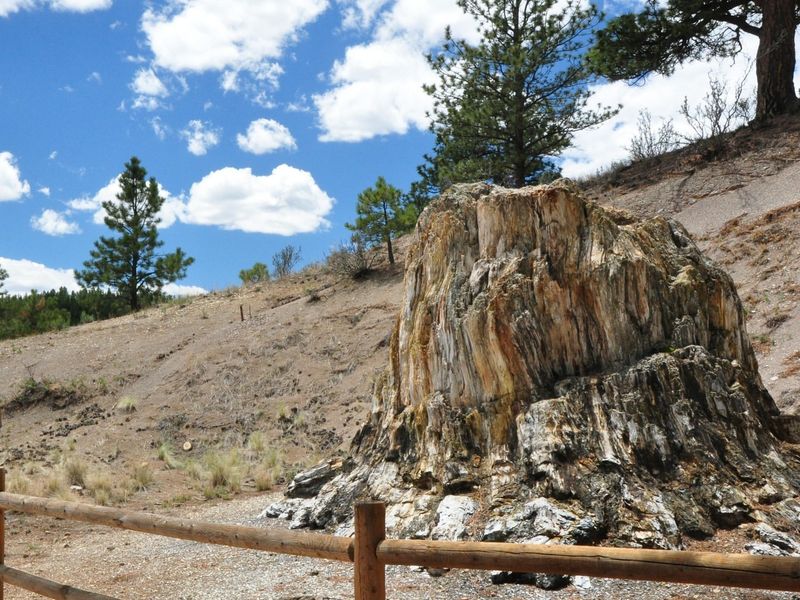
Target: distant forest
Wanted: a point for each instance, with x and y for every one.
(38, 312)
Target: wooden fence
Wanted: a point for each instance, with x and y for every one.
(371, 552)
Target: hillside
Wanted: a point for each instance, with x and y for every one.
(297, 370)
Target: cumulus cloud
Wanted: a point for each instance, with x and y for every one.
(80, 5)
(149, 89)
(147, 83)
(377, 86)
(44, 190)
(265, 135)
(171, 210)
(54, 223)
(200, 137)
(175, 289)
(219, 35)
(285, 202)
(8, 7)
(360, 13)
(662, 97)
(25, 275)
(12, 186)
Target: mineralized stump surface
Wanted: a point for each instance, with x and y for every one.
(560, 371)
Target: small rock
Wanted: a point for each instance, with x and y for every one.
(308, 483)
(762, 549)
(773, 537)
(187, 446)
(582, 582)
(301, 518)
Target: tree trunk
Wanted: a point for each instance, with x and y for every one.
(388, 233)
(389, 248)
(775, 61)
(519, 156)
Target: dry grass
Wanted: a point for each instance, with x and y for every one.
(167, 455)
(19, 483)
(224, 473)
(142, 477)
(792, 364)
(75, 470)
(127, 404)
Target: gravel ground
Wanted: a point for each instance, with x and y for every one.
(133, 565)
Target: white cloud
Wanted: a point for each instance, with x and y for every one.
(80, 5)
(148, 103)
(25, 275)
(285, 202)
(12, 186)
(8, 7)
(200, 137)
(662, 97)
(229, 81)
(44, 190)
(54, 223)
(171, 210)
(377, 87)
(378, 91)
(215, 35)
(159, 128)
(174, 289)
(95, 77)
(53, 155)
(265, 135)
(360, 13)
(147, 83)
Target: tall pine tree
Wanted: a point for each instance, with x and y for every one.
(665, 34)
(506, 106)
(129, 262)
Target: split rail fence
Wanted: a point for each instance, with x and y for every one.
(370, 552)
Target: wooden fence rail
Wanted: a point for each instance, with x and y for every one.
(371, 552)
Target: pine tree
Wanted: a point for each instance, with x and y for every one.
(3, 277)
(664, 35)
(505, 107)
(380, 215)
(129, 263)
(258, 273)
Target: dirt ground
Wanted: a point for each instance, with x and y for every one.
(297, 373)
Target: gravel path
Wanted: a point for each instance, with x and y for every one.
(133, 565)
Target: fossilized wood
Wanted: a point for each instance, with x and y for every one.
(549, 347)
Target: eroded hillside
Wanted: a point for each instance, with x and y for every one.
(297, 372)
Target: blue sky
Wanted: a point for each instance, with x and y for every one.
(261, 120)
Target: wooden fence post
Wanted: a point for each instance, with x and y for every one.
(370, 573)
(2, 531)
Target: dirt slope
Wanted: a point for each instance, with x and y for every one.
(297, 370)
